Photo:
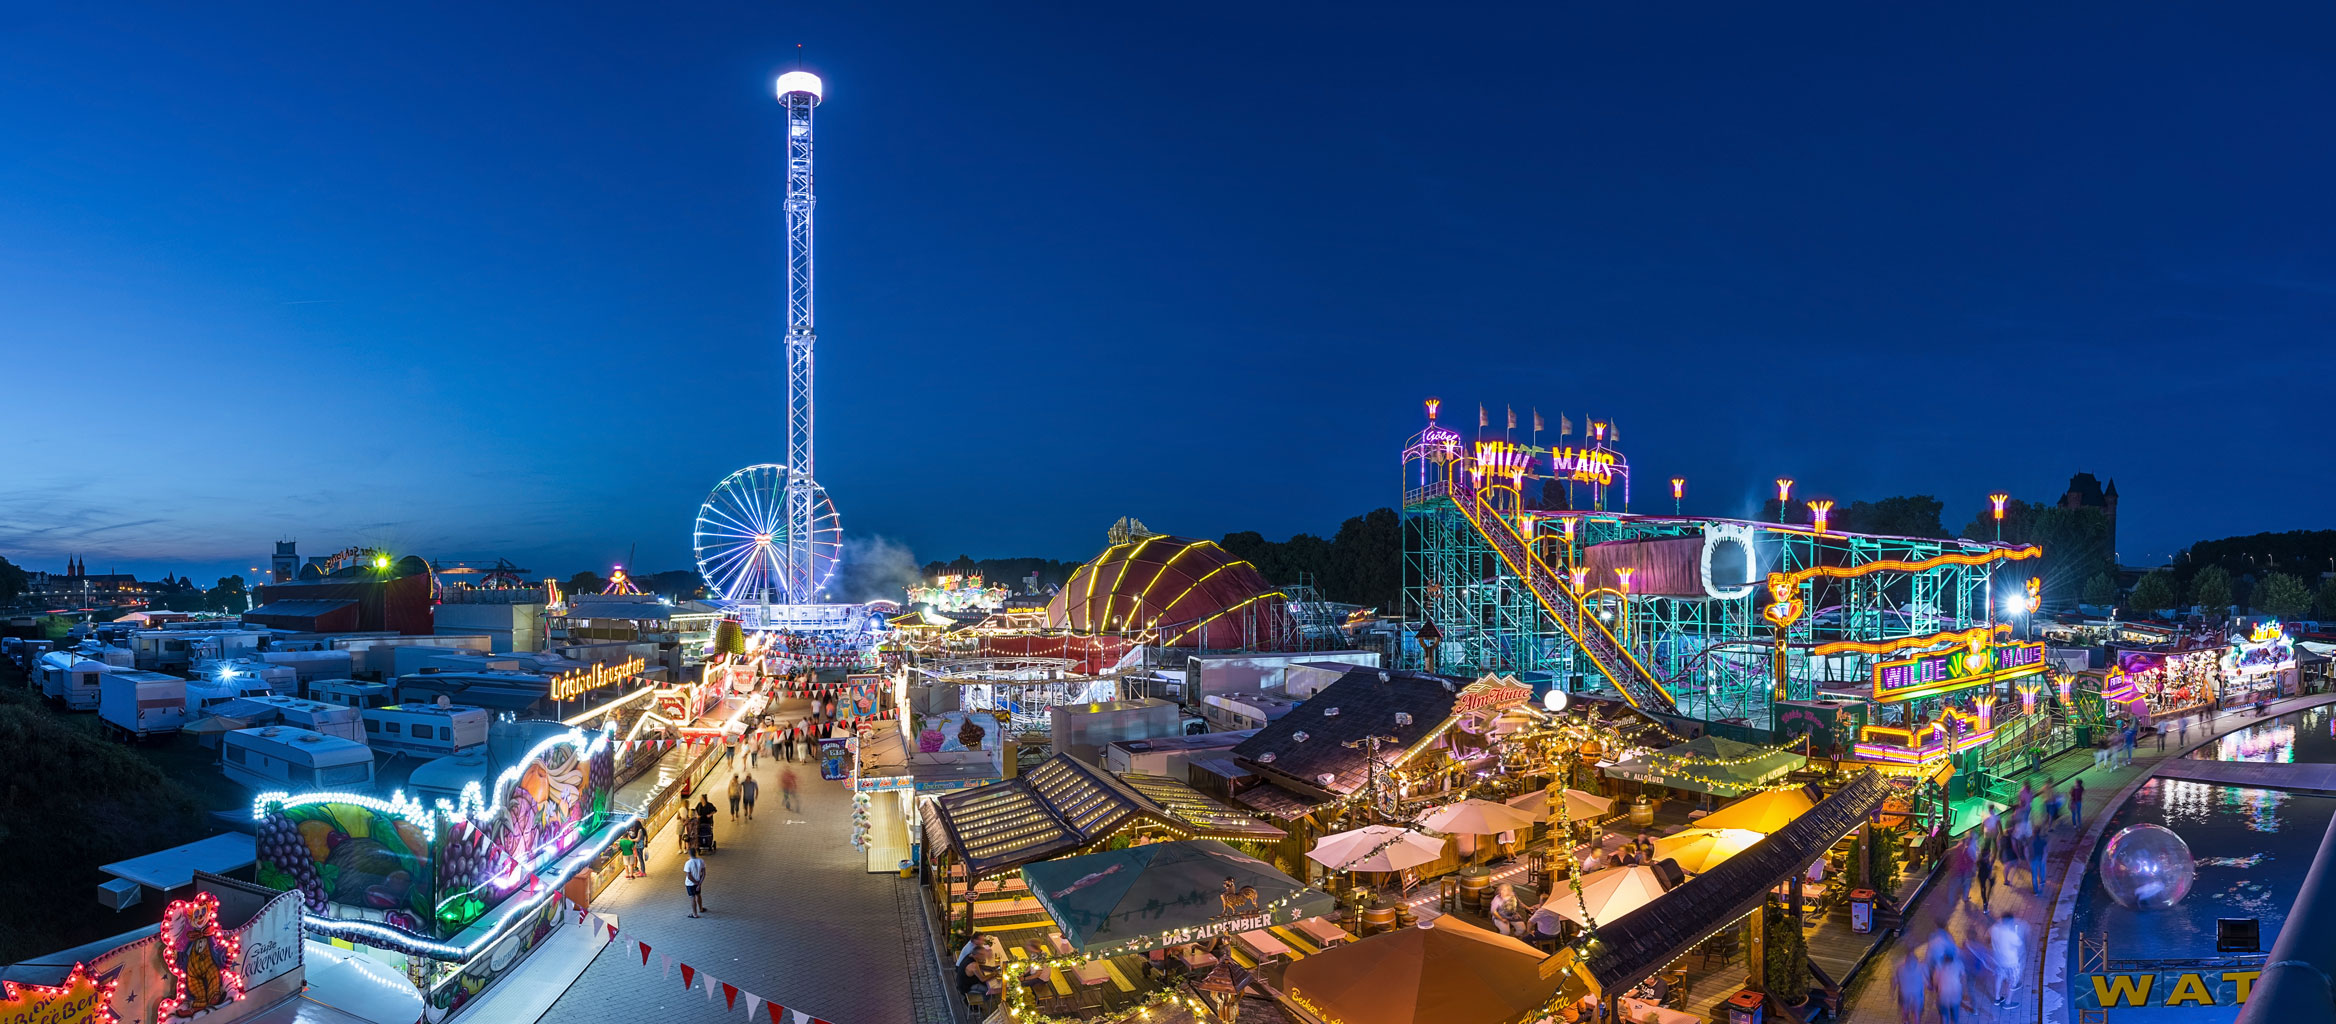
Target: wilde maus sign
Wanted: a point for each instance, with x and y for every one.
(1931, 674)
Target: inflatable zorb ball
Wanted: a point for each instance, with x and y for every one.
(2147, 867)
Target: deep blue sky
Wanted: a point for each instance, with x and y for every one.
(471, 281)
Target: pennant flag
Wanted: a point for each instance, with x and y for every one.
(592, 919)
(710, 983)
(1565, 426)
(644, 952)
(688, 974)
(580, 912)
(1481, 420)
(668, 958)
(611, 932)
(730, 992)
(776, 1010)
(1537, 427)
(1614, 433)
(753, 1004)
(1512, 410)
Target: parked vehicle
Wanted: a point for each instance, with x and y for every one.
(314, 716)
(350, 693)
(284, 757)
(426, 730)
(135, 705)
(71, 679)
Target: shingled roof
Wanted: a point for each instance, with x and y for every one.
(1310, 742)
(1639, 943)
(1065, 804)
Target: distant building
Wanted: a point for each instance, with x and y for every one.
(2085, 491)
(357, 598)
(76, 587)
(285, 563)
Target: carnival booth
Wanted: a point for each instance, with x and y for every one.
(1162, 912)
(226, 952)
(449, 896)
(2259, 664)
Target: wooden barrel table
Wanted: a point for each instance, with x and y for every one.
(1475, 888)
(1378, 919)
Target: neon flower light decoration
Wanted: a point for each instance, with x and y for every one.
(1819, 511)
(203, 958)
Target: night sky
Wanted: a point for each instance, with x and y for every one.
(466, 282)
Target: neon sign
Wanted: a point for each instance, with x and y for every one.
(1944, 671)
(1588, 465)
(1491, 693)
(567, 686)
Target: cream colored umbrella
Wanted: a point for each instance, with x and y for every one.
(1476, 817)
(1579, 806)
(1375, 848)
(1608, 894)
(1701, 849)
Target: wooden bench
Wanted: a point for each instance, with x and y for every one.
(1005, 907)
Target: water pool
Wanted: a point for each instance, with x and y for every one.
(2300, 737)
(2253, 847)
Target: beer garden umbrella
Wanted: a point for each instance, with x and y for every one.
(1700, 849)
(1607, 894)
(1375, 848)
(1161, 894)
(1763, 812)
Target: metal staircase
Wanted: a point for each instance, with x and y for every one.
(1563, 606)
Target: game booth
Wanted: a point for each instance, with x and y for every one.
(453, 895)
(228, 952)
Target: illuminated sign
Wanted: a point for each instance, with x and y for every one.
(2211, 987)
(568, 686)
(1490, 692)
(1944, 671)
(80, 999)
(1588, 465)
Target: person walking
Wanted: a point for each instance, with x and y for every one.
(752, 789)
(1946, 980)
(737, 790)
(2076, 805)
(693, 879)
(2051, 807)
(1988, 849)
(2038, 843)
(640, 854)
(787, 790)
(629, 849)
(754, 751)
(2183, 725)
(2008, 940)
(1913, 978)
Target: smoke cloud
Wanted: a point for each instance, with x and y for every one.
(872, 568)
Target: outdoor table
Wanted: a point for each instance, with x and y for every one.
(1062, 946)
(1322, 932)
(1090, 973)
(1198, 959)
(1262, 944)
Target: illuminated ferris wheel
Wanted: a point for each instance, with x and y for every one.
(742, 539)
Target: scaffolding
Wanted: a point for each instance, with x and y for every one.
(1782, 611)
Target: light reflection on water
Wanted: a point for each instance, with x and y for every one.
(2307, 736)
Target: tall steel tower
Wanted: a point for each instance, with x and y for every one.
(768, 533)
(799, 92)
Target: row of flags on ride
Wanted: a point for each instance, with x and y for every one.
(692, 979)
(1565, 426)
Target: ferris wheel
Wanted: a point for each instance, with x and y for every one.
(742, 540)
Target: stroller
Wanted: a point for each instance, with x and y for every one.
(705, 844)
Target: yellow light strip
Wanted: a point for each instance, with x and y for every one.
(1113, 594)
(1965, 636)
(1163, 571)
(1226, 611)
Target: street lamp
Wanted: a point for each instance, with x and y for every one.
(1819, 511)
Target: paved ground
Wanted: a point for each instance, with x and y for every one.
(1874, 996)
(795, 917)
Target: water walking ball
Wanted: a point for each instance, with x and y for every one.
(2147, 867)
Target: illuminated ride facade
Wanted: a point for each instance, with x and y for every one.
(1898, 647)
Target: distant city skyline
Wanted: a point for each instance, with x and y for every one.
(494, 284)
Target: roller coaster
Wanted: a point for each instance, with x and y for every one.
(1721, 620)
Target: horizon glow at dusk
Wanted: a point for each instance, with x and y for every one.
(478, 283)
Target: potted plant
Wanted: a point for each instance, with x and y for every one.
(1788, 958)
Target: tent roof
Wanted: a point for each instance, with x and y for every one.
(1451, 971)
(1159, 894)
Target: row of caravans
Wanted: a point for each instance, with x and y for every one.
(320, 744)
